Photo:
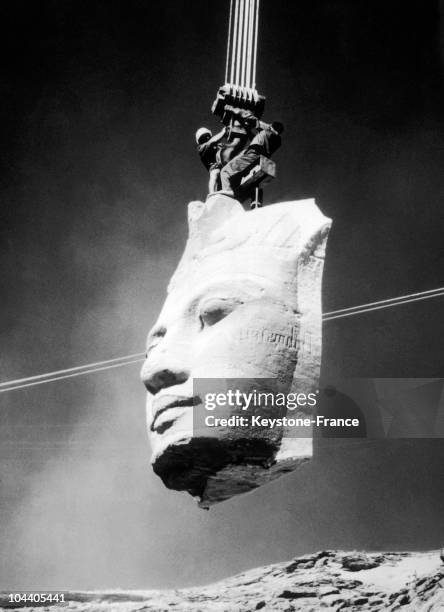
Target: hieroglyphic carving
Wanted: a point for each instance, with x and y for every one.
(290, 339)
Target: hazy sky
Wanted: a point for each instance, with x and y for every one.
(99, 104)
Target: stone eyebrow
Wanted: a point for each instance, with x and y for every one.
(158, 331)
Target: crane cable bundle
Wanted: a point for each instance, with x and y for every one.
(242, 44)
(239, 89)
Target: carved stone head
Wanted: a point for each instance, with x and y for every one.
(244, 303)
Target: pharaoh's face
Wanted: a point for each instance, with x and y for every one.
(238, 327)
(243, 304)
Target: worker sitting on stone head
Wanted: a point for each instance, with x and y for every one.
(208, 150)
(266, 142)
(242, 128)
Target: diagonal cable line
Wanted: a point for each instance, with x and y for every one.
(99, 366)
(68, 370)
(390, 301)
(79, 373)
(382, 306)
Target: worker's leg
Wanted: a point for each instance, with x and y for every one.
(231, 174)
(225, 176)
(213, 184)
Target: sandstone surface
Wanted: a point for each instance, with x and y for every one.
(327, 580)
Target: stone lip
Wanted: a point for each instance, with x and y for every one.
(326, 580)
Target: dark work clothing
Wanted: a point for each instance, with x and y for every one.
(207, 153)
(231, 174)
(266, 142)
(243, 120)
(240, 132)
(242, 125)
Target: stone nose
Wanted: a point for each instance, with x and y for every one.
(167, 365)
(156, 379)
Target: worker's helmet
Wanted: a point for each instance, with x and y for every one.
(201, 132)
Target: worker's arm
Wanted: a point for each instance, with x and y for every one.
(242, 114)
(217, 136)
(261, 125)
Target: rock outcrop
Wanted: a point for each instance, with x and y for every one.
(327, 580)
(243, 304)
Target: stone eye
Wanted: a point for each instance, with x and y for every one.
(214, 310)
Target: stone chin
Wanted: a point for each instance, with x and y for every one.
(213, 469)
(244, 303)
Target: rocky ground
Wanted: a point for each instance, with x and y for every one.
(328, 580)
